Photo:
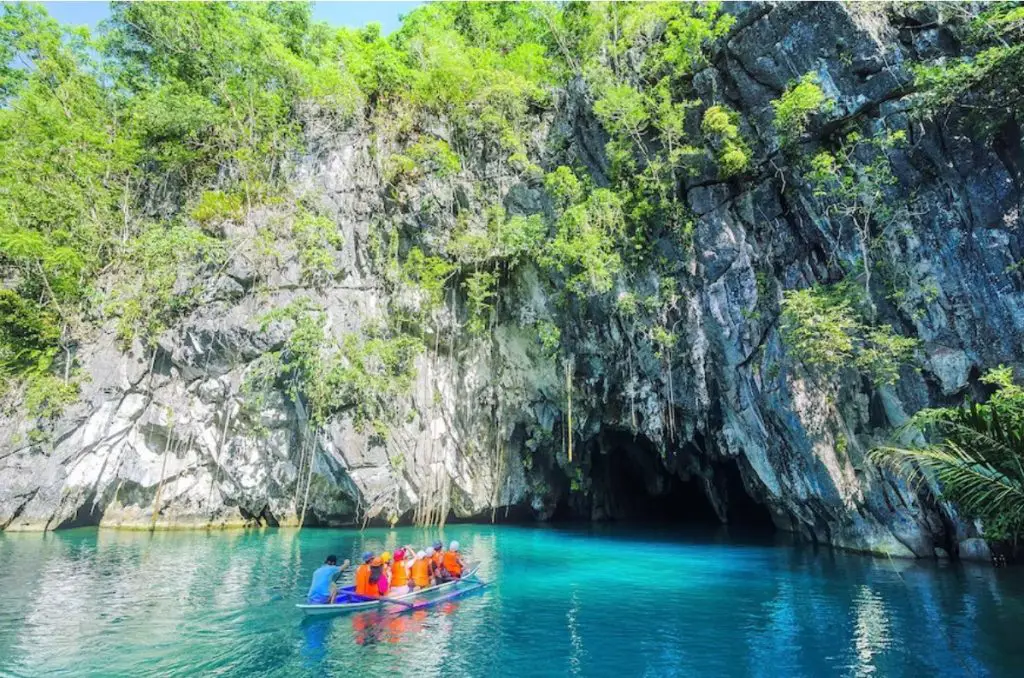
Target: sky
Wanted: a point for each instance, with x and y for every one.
(352, 14)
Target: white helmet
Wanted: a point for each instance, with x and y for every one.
(421, 554)
(454, 546)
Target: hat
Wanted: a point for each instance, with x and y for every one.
(386, 557)
(454, 546)
(367, 556)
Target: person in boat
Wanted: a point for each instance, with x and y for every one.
(420, 571)
(451, 564)
(384, 581)
(376, 572)
(437, 560)
(400, 582)
(363, 576)
(324, 588)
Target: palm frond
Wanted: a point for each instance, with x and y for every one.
(967, 478)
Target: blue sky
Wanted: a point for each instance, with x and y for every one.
(353, 14)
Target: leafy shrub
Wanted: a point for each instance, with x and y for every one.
(722, 129)
(360, 375)
(160, 278)
(480, 289)
(549, 336)
(215, 206)
(826, 331)
(976, 451)
(429, 274)
(316, 239)
(793, 110)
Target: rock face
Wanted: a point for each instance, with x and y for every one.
(725, 426)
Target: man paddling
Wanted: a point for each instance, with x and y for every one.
(322, 590)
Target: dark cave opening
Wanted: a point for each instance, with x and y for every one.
(629, 482)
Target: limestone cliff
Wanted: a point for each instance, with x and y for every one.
(726, 415)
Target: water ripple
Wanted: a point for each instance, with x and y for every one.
(563, 602)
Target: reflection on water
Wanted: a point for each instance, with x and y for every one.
(588, 602)
(871, 630)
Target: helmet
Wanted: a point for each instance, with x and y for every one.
(386, 557)
(438, 545)
(421, 554)
(367, 556)
(454, 546)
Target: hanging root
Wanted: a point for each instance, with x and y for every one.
(569, 367)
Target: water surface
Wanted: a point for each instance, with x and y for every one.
(588, 602)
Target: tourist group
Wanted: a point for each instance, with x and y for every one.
(403, 571)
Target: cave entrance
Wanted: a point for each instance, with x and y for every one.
(631, 483)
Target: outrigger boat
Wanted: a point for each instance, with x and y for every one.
(347, 600)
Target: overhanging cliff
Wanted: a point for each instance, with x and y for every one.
(721, 423)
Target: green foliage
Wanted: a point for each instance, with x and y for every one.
(192, 105)
(663, 340)
(46, 396)
(360, 375)
(825, 328)
(720, 122)
(316, 239)
(982, 84)
(722, 128)
(793, 110)
(564, 187)
(429, 274)
(626, 304)
(549, 336)
(480, 289)
(217, 86)
(584, 247)
(457, 62)
(215, 206)
(426, 157)
(28, 336)
(854, 187)
(638, 60)
(977, 455)
(161, 275)
(504, 240)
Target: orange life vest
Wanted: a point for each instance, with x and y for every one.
(399, 575)
(363, 587)
(421, 572)
(452, 563)
(437, 559)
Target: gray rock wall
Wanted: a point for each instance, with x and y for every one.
(484, 427)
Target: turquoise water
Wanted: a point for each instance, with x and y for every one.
(588, 602)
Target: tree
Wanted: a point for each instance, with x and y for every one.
(976, 454)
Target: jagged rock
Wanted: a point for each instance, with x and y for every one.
(975, 549)
(725, 421)
(951, 368)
